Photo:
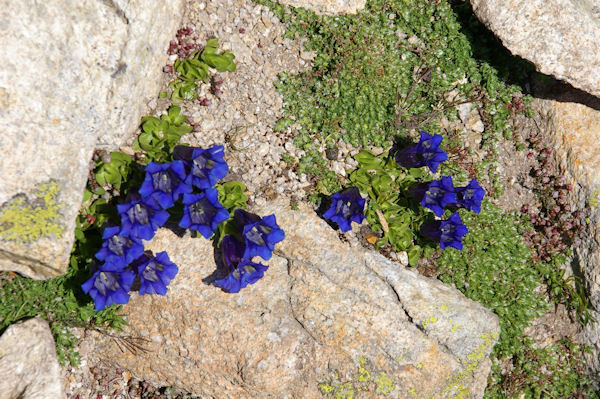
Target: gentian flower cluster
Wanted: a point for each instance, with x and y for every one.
(441, 194)
(347, 206)
(258, 238)
(190, 178)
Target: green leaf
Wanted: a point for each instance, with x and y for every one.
(231, 195)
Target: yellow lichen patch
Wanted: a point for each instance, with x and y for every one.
(384, 384)
(363, 373)
(428, 321)
(444, 308)
(457, 385)
(454, 328)
(365, 380)
(27, 221)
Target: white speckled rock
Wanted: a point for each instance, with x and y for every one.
(28, 365)
(324, 313)
(561, 37)
(73, 72)
(328, 7)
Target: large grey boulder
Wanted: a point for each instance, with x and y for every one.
(28, 365)
(72, 71)
(325, 318)
(560, 37)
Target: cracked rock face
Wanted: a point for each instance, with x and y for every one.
(72, 71)
(325, 314)
(28, 365)
(561, 37)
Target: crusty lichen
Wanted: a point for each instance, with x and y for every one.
(457, 385)
(26, 221)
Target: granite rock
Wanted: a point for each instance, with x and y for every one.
(326, 317)
(573, 127)
(28, 365)
(328, 7)
(75, 75)
(560, 37)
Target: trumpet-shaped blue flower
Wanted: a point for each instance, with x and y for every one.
(156, 274)
(165, 183)
(260, 235)
(203, 212)
(427, 152)
(347, 206)
(439, 194)
(470, 197)
(118, 250)
(242, 272)
(140, 218)
(448, 233)
(206, 166)
(109, 287)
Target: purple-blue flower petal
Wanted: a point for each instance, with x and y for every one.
(346, 206)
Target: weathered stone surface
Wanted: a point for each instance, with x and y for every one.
(28, 365)
(72, 71)
(574, 129)
(561, 37)
(324, 313)
(328, 7)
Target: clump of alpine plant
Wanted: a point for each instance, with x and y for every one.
(191, 178)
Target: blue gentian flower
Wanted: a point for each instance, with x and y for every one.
(241, 271)
(203, 212)
(140, 218)
(470, 197)
(118, 250)
(426, 153)
(260, 235)
(109, 287)
(346, 206)
(206, 166)
(165, 183)
(156, 274)
(439, 195)
(448, 232)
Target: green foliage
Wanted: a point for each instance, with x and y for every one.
(160, 136)
(112, 173)
(390, 209)
(394, 66)
(61, 302)
(495, 269)
(231, 195)
(554, 371)
(195, 69)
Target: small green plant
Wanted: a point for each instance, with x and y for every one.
(195, 69)
(392, 67)
(160, 136)
(390, 210)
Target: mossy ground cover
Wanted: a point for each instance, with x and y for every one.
(398, 67)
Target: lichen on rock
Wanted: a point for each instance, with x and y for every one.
(27, 219)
